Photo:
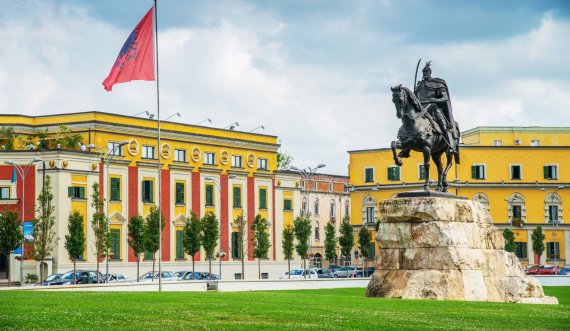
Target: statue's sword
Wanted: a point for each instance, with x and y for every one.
(416, 76)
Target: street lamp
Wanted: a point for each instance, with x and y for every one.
(220, 254)
(107, 155)
(202, 121)
(23, 171)
(306, 174)
(554, 222)
(175, 114)
(232, 126)
(259, 127)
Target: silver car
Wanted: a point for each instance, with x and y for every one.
(344, 272)
(166, 275)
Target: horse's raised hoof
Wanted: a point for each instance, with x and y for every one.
(438, 189)
(444, 190)
(398, 162)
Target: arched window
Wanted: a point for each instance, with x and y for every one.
(332, 209)
(346, 208)
(317, 207)
(318, 261)
(369, 210)
(552, 208)
(304, 206)
(482, 199)
(516, 209)
(317, 232)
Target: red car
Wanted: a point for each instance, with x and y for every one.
(544, 270)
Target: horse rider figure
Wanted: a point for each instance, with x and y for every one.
(434, 91)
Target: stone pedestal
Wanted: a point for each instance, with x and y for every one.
(446, 249)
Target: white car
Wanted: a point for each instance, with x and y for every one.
(166, 275)
(300, 274)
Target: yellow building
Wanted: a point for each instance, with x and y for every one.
(519, 173)
(203, 169)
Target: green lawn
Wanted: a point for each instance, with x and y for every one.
(337, 309)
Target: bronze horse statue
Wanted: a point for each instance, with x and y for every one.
(420, 133)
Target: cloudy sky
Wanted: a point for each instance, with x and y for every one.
(315, 73)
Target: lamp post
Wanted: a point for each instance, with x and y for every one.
(306, 174)
(554, 222)
(220, 254)
(23, 171)
(175, 114)
(107, 156)
(206, 120)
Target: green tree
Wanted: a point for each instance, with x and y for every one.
(240, 223)
(346, 238)
(284, 161)
(210, 235)
(509, 236)
(364, 238)
(330, 242)
(10, 236)
(7, 137)
(302, 229)
(75, 240)
(288, 245)
(45, 237)
(192, 237)
(136, 238)
(261, 244)
(99, 226)
(537, 239)
(152, 234)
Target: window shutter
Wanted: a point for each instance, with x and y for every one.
(143, 193)
(263, 198)
(150, 191)
(474, 172)
(82, 192)
(179, 246)
(70, 192)
(546, 173)
(390, 177)
(397, 171)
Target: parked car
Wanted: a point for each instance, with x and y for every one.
(324, 273)
(344, 272)
(199, 275)
(166, 275)
(544, 270)
(300, 274)
(334, 268)
(115, 278)
(82, 277)
(564, 271)
(49, 279)
(367, 272)
(182, 274)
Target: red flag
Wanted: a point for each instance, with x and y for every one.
(136, 58)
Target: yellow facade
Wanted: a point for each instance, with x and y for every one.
(517, 176)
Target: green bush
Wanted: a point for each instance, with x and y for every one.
(31, 278)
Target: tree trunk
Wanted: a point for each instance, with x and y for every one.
(41, 266)
(259, 267)
(138, 266)
(289, 267)
(304, 267)
(8, 269)
(74, 272)
(210, 267)
(153, 262)
(192, 267)
(242, 266)
(97, 255)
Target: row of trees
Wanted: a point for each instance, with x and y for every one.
(537, 238)
(41, 139)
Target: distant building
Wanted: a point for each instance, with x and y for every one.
(519, 173)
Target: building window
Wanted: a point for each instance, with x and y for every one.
(553, 213)
(4, 193)
(304, 206)
(287, 204)
(332, 209)
(76, 192)
(237, 196)
(115, 189)
(179, 244)
(209, 195)
(148, 191)
(535, 143)
(148, 255)
(371, 251)
(236, 249)
(517, 211)
(237, 161)
(370, 215)
(180, 155)
(346, 208)
(550, 172)
(516, 172)
(497, 142)
(148, 152)
(478, 171)
(262, 164)
(521, 250)
(369, 175)
(262, 198)
(115, 244)
(318, 261)
(179, 193)
(209, 158)
(317, 233)
(421, 172)
(394, 173)
(553, 250)
(317, 207)
(114, 148)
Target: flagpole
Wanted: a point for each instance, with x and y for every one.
(159, 149)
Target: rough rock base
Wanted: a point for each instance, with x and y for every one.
(446, 249)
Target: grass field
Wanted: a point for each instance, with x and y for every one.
(336, 309)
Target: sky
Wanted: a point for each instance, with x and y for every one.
(314, 73)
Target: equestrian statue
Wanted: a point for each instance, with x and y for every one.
(427, 125)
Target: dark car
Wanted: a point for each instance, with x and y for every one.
(82, 277)
(324, 273)
(367, 272)
(198, 275)
(49, 279)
